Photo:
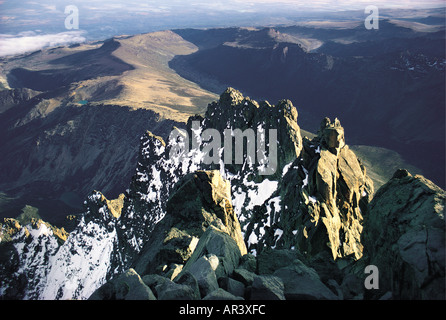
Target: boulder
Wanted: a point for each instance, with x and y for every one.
(326, 267)
(267, 288)
(168, 247)
(127, 286)
(220, 244)
(204, 271)
(352, 287)
(221, 294)
(153, 281)
(303, 283)
(188, 279)
(173, 270)
(244, 276)
(248, 262)
(270, 260)
(170, 290)
(232, 286)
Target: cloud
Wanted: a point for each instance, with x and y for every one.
(30, 41)
(51, 8)
(348, 4)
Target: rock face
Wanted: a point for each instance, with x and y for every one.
(196, 252)
(405, 237)
(234, 111)
(199, 234)
(199, 220)
(188, 228)
(10, 98)
(49, 150)
(321, 200)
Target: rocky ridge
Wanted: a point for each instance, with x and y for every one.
(189, 230)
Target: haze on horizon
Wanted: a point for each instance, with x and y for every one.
(29, 25)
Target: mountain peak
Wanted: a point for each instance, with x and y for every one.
(231, 97)
(187, 228)
(331, 135)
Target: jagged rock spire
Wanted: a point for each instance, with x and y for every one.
(320, 203)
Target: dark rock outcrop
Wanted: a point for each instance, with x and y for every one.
(267, 288)
(404, 237)
(200, 220)
(128, 286)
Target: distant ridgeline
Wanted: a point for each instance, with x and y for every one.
(201, 222)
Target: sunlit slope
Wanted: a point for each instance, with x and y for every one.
(152, 84)
(127, 71)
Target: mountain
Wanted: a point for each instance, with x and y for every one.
(378, 82)
(301, 227)
(117, 182)
(66, 110)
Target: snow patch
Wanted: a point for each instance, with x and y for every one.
(260, 192)
(312, 199)
(305, 181)
(278, 233)
(81, 264)
(286, 168)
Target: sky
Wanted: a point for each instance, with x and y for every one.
(27, 25)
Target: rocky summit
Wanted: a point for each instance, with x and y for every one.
(189, 228)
